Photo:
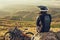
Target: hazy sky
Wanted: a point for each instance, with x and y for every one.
(29, 2)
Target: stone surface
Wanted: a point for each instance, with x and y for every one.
(46, 36)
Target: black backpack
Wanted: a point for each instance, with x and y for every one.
(47, 19)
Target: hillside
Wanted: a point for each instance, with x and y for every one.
(27, 12)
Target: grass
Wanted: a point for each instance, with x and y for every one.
(31, 25)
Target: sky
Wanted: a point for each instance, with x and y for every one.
(4, 3)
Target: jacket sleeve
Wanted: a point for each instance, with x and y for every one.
(38, 21)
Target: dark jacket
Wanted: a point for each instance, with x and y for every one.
(45, 22)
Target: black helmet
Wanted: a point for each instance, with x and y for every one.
(43, 8)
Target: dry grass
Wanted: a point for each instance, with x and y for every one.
(30, 29)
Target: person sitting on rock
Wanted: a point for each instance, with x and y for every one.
(44, 20)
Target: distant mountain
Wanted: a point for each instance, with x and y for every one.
(27, 12)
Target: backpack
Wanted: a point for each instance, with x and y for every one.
(47, 19)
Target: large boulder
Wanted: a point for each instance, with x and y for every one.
(58, 35)
(45, 36)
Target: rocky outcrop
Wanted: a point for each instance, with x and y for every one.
(47, 36)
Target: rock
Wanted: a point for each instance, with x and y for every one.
(45, 36)
(58, 35)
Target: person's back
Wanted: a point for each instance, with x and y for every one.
(43, 20)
